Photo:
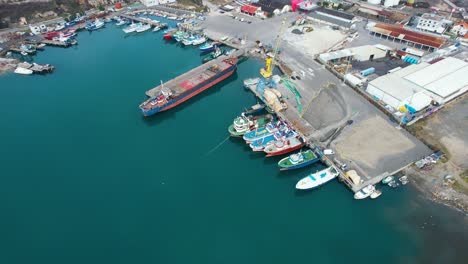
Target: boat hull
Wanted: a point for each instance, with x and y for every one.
(284, 151)
(300, 165)
(201, 87)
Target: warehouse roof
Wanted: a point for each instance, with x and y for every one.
(439, 80)
(443, 78)
(404, 34)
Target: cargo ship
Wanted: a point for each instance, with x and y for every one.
(186, 86)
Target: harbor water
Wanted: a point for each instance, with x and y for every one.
(85, 178)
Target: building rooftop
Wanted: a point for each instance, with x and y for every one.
(335, 13)
(432, 17)
(404, 34)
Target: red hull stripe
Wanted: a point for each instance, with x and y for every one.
(284, 151)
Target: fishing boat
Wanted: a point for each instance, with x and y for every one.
(121, 22)
(198, 40)
(317, 179)
(207, 47)
(393, 184)
(375, 194)
(262, 132)
(243, 124)
(188, 85)
(97, 24)
(387, 179)
(364, 192)
(404, 180)
(298, 160)
(143, 28)
(283, 146)
(254, 109)
(213, 55)
(261, 144)
(24, 71)
(188, 41)
(131, 28)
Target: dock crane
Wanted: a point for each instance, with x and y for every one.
(270, 61)
(267, 72)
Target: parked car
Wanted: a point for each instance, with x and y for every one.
(421, 5)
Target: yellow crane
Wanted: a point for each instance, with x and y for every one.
(270, 61)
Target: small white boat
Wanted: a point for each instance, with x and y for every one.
(387, 179)
(131, 28)
(375, 194)
(24, 53)
(143, 28)
(404, 180)
(172, 17)
(24, 71)
(121, 22)
(314, 180)
(59, 27)
(198, 41)
(156, 29)
(364, 192)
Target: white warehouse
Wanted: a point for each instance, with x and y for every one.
(419, 84)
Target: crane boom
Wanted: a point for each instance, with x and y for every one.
(270, 61)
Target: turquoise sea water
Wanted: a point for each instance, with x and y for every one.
(84, 178)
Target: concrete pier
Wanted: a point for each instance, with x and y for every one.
(146, 21)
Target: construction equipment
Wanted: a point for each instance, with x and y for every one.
(267, 72)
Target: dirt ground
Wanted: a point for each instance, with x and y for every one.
(315, 42)
(446, 130)
(375, 134)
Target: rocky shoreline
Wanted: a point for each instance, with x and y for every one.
(435, 186)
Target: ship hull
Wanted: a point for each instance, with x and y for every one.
(284, 151)
(193, 92)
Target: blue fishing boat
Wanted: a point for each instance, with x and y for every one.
(210, 46)
(263, 132)
(97, 24)
(259, 145)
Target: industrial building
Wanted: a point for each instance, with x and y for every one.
(433, 23)
(361, 53)
(402, 35)
(332, 17)
(417, 86)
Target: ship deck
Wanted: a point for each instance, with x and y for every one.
(193, 77)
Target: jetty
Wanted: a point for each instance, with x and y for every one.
(153, 92)
(17, 50)
(145, 20)
(37, 68)
(63, 44)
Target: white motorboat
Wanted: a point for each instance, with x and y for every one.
(155, 29)
(131, 28)
(24, 71)
(404, 180)
(364, 192)
(143, 28)
(198, 41)
(314, 180)
(121, 22)
(375, 194)
(172, 17)
(59, 27)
